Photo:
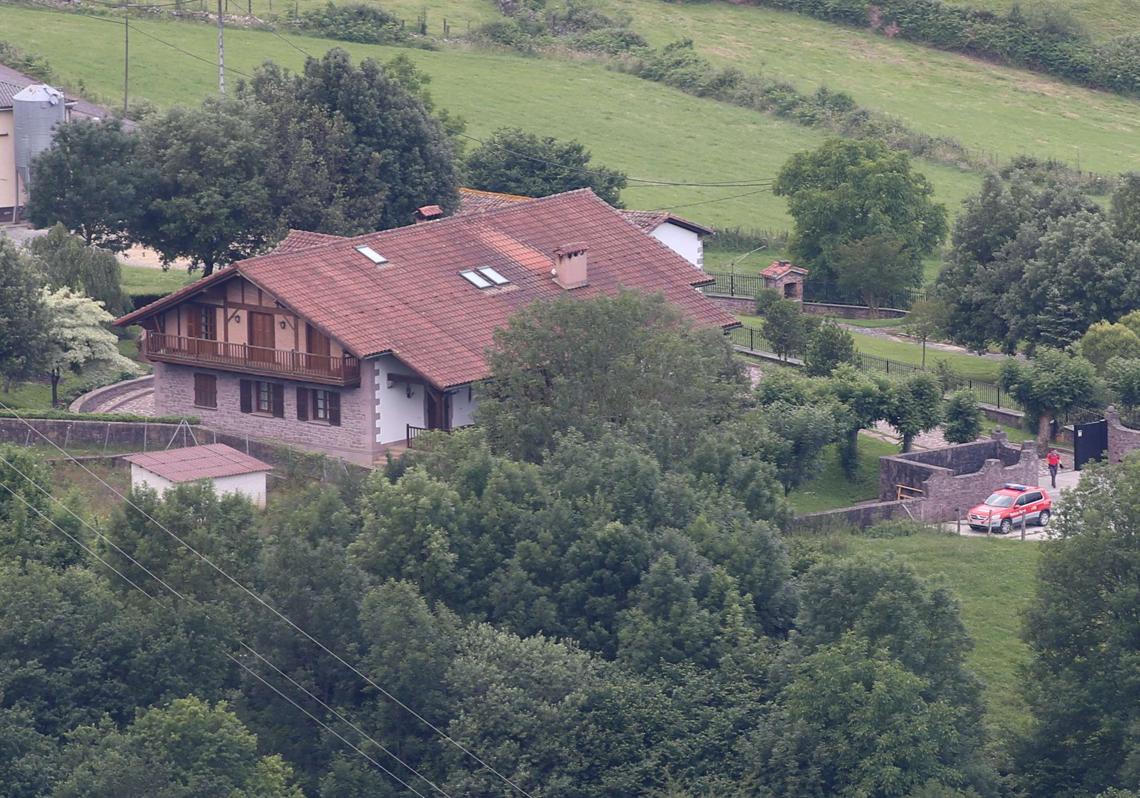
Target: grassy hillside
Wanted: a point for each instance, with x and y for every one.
(646, 129)
(989, 108)
(994, 580)
(1103, 19)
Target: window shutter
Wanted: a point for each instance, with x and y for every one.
(303, 404)
(334, 408)
(246, 396)
(278, 401)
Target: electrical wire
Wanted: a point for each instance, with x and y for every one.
(281, 616)
(191, 600)
(228, 655)
(647, 181)
(711, 201)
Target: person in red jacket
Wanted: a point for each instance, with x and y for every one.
(1053, 459)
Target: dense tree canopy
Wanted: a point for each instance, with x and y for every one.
(23, 319)
(88, 182)
(850, 193)
(1036, 262)
(513, 161)
(66, 263)
(1083, 631)
(1051, 384)
(349, 149)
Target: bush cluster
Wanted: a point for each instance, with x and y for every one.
(1047, 41)
(353, 22)
(578, 24)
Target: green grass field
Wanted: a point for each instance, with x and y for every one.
(985, 106)
(994, 580)
(137, 280)
(646, 129)
(832, 488)
(971, 367)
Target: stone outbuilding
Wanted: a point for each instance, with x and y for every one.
(785, 277)
(227, 469)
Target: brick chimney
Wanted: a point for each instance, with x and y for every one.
(427, 213)
(570, 266)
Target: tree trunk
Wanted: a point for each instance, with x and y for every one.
(55, 388)
(1044, 427)
(849, 454)
(907, 440)
(924, 351)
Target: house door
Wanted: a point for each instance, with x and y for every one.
(261, 335)
(437, 410)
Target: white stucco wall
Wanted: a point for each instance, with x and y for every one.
(395, 409)
(462, 408)
(252, 486)
(684, 242)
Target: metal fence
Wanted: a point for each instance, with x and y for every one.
(730, 284)
(988, 393)
(749, 285)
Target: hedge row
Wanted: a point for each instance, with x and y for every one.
(1040, 42)
(67, 415)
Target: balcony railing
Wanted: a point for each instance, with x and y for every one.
(342, 371)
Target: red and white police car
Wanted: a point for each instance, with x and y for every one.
(1006, 507)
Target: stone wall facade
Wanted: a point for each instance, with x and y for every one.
(955, 478)
(352, 440)
(746, 306)
(1121, 439)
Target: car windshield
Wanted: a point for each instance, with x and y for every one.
(999, 500)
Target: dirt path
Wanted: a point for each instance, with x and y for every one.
(891, 334)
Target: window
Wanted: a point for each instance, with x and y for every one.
(266, 398)
(493, 276)
(318, 404)
(476, 279)
(371, 254)
(205, 390)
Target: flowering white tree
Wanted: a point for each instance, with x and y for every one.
(78, 338)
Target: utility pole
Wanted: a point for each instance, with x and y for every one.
(221, 51)
(126, 57)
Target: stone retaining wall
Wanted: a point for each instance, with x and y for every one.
(746, 306)
(91, 401)
(145, 436)
(1121, 439)
(860, 516)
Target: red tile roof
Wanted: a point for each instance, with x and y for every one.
(198, 462)
(303, 239)
(472, 200)
(417, 307)
(651, 220)
(779, 268)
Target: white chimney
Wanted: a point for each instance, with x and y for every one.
(570, 266)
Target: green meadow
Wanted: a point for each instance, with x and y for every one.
(648, 130)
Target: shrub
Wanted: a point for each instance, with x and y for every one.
(609, 40)
(353, 22)
(829, 346)
(66, 415)
(963, 417)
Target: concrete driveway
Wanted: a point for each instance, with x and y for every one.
(1067, 479)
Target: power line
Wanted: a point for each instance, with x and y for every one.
(137, 29)
(648, 181)
(191, 600)
(281, 616)
(711, 201)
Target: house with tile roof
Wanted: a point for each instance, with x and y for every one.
(352, 346)
(684, 237)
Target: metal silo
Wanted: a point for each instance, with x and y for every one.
(36, 111)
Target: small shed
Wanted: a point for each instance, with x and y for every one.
(787, 278)
(227, 469)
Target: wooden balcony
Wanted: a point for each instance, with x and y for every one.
(323, 369)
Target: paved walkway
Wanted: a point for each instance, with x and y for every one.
(1067, 479)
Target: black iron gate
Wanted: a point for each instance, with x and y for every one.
(1090, 441)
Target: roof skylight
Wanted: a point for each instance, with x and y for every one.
(475, 279)
(371, 254)
(493, 275)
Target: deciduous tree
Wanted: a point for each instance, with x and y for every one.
(1105, 340)
(963, 417)
(88, 181)
(202, 193)
(1052, 383)
(828, 347)
(1082, 630)
(78, 339)
(67, 263)
(513, 161)
(848, 190)
(876, 268)
(23, 318)
(915, 407)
